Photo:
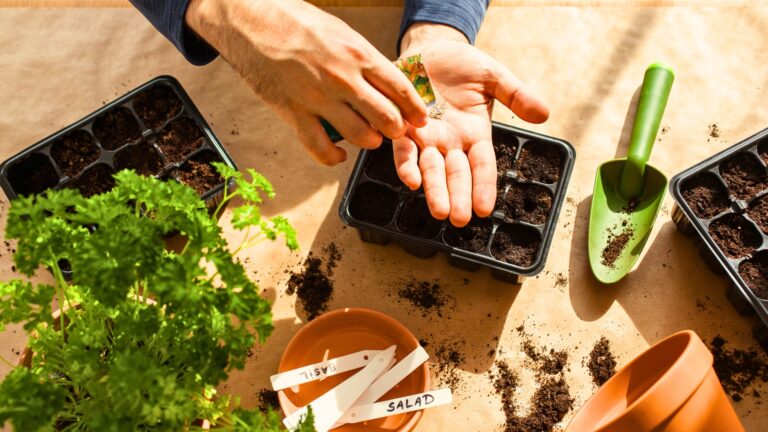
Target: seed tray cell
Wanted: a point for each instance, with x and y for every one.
(533, 174)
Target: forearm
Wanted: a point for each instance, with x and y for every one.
(420, 34)
(462, 15)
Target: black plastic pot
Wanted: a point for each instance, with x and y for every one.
(101, 151)
(400, 214)
(695, 219)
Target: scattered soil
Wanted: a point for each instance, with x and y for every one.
(541, 162)
(762, 150)
(473, 237)
(739, 370)
(96, 180)
(516, 244)
(179, 139)
(505, 148)
(33, 175)
(449, 360)
(116, 128)
(157, 105)
(735, 236)
(744, 174)
(268, 400)
(381, 165)
(427, 297)
(754, 271)
(561, 280)
(312, 285)
(602, 364)
(141, 157)
(550, 363)
(714, 131)
(527, 202)
(758, 212)
(198, 172)
(616, 245)
(706, 195)
(373, 203)
(414, 218)
(74, 151)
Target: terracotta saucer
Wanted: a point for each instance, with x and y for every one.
(346, 331)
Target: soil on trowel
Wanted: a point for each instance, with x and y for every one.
(414, 219)
(740, 371)
(74, 151)
(473, 237)
(735, 236)
(615, 246)
(426, 297)
(116, 128)
(758, 212)
(601, 364)
(744, 174)
(706, 195)
(541, 162)
(754, 271)
(526, 202)
(516, 244)
(312, 284)
(373, 203)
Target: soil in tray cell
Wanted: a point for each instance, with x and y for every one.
(381, 165)
(505, 146)
(762, 150)
(142, 158)
(415, 219)
(735, 236)
(157, 105)
(758, 212)
(116, 128)
(744, 175)
(541, 162)
(74, 151)
(96, 180)
(527, 202)
(706, 195)
(198, 172)
(754, 271)
(373, 203)
(473, 237)
(179, 139)
(516, 244)
(32, 175)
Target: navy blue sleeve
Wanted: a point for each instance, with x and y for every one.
(463, 15)
(168, 18)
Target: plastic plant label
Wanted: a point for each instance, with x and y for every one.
(430, 399)
(322, 370)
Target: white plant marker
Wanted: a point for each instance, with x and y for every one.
(328, 408)
(430, 399)
(322, 370)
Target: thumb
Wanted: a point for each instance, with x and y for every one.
(510, 91)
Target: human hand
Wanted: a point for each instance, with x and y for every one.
(307, 65)
(453, 156)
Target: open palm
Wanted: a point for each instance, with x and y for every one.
(453, 156)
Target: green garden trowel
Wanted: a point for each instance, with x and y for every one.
(628, 192)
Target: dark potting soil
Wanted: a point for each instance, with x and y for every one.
(74, 151)
(527, 202)
(550, 363)
(312, 284)
(157, 105)
(198, 172)
(381, 165)
(116, 128)
(96, 180)
(268, 400)
(516, 244)
(615, 246)
(762, 150)
(738, 370)
(601, 364)
(505, 154)
(706, 195)
(540, 162)
(473, 237)
(735, 236)
(179, 139)
(414, 218)
(449, 359)
(744, 174)
(758, 212)
(373, 203)
(32, 175)
(141, 157)
(427, 297)
(754, 271)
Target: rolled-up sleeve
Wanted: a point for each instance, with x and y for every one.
(463, 15)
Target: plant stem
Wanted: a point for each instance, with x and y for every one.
(225, 197)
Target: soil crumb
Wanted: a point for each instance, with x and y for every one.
(561, 280)
(615, 246)
(550, 363)
(714, 130)
(268, 400)
(312, 285)
(738, 370)
(449, 359)
(427, 297)
(602, 364)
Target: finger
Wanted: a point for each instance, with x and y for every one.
(313, 137)
(510, 91)
(355, 129)
(482, 162)
(390, 81)
(459, 178)
(378, 110)
(406, 155)
(432, 167)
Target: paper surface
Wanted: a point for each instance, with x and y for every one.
(59, 65)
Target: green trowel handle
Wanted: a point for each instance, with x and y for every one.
(332, 133)
(653, 99)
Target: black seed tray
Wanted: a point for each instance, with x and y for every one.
(401, 214)
(727, 190)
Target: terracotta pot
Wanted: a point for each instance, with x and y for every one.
(671, 387)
